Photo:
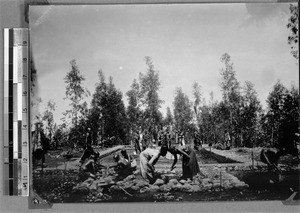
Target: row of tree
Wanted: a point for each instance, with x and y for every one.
(239, 113)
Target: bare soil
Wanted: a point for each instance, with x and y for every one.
(55, 185)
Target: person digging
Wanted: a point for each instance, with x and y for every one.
(271, 158)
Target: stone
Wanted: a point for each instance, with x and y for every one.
(136, 172)
(171, 185)
(153, 188)
(130, 177)
(196, 182)
(164, 188)
(177, 187)
(115, 188)
(120, 183)
(144, 190)
(93, 186)
(128, 185)
(182, 181)
(195, 188)
(141, 184)
(108, 179)
(169, 198)
(186, 187)
(241, 185)
(135, 188)
(159, 182)
(173, 181)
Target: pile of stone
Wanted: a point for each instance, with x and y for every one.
(104, 186)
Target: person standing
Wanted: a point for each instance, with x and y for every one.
(40, 144)
(136, 137)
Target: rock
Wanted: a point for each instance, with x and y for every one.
(144, 190)
(195, 188)
(177, 187)
(179, 199)
(164, 188)
(153, 188)
(171, 185)
(135, 188)
(207, 186)
(120, 183)
(241, 185)
(108, 179)
(196, 182)
(130, 177)
(182, 181)
(136, 172)
(80, 189)
(128, 185)
(205, 181)
(174, 181)
(115, 188)
(142, 184)
(186, 187)
(93, 186)
(159, 182)
(169, 198)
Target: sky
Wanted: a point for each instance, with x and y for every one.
(185, 42)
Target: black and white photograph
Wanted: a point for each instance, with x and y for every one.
(165, 102)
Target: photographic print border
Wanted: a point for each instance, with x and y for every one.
(142, 207)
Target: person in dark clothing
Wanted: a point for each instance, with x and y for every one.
(146, 138)
(190, 166)
(271, 157)
(197, 140)
(88, 138)
(40, 144)
(87, 154)
(136, 138)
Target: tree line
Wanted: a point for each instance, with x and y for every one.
(239, 113)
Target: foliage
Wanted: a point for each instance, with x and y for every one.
(75, 92)
(231, 96)
(149, 88)
(183, 114)
(48, 118)
(134, 112)
(293, 26)
(108, 117)
(283, 116)
(169, 119)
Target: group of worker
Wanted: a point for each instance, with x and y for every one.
(145, 139)
(174, 143)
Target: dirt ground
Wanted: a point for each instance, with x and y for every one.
(56, 182)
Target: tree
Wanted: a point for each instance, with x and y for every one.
(75, 92)
(183, 114)
(48, 118)
(134, 113)
(293, 26)
(197, 98)
(275, 112)
(231, 95)
(150, 86)
(169, 120)
(250, 112)
(108, 117)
